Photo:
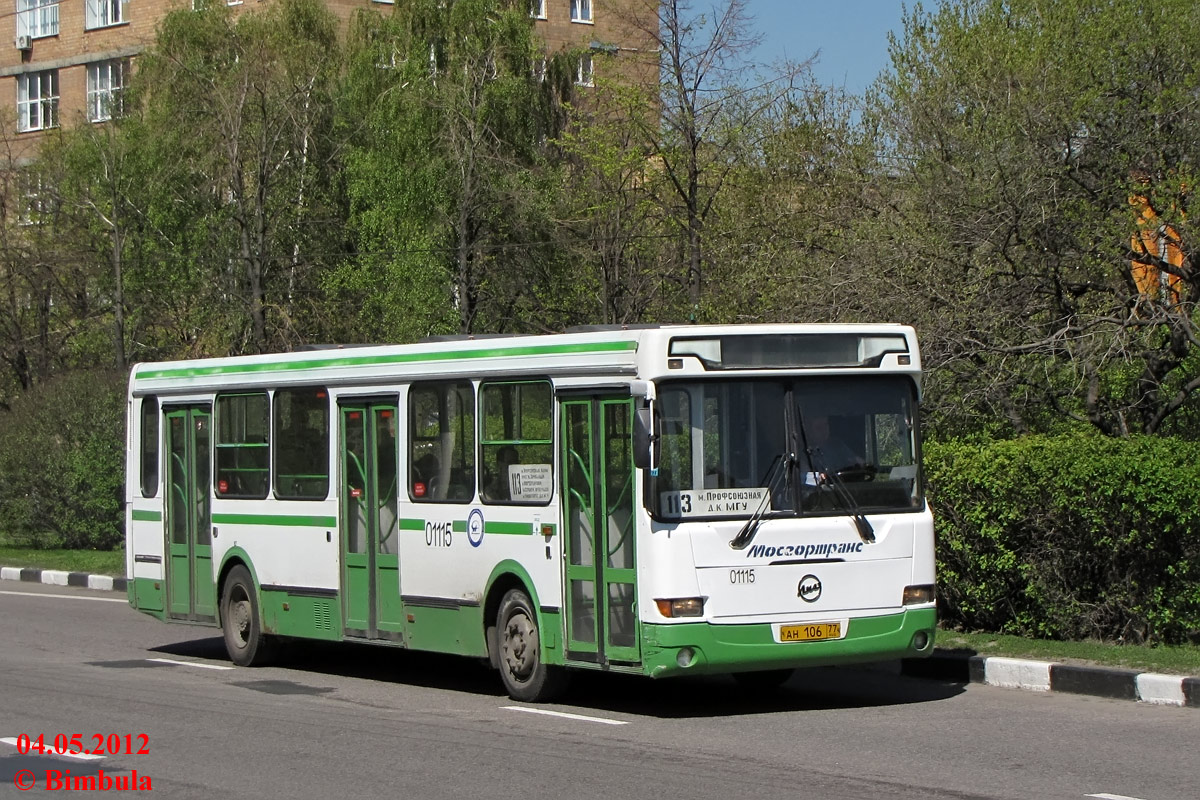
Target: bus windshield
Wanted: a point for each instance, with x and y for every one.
(813, 444)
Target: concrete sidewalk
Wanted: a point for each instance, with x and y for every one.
(945, 665)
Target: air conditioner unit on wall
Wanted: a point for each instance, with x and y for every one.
(25, 42)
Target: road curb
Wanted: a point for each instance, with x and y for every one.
(56, 577)
(1046, 676)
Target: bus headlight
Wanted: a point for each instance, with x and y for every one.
(915, 595)
(681, 607)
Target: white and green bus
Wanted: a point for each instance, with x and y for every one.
(663, 500)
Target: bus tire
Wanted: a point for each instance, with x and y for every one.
(524, 674)
(241, 623)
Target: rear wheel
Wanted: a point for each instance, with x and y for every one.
(245, 641)
(519, 652)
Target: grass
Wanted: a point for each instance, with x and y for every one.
(1179, 660)
(96, 562)
(1176, 660)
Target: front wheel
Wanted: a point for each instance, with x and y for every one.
(520, 660)
(245, 641)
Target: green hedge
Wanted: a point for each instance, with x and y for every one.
(1069, 537)
(62, 455)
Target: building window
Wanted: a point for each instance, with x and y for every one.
(105, 86)
(538, 70)
(37, 100)
(537, 9)
(581, 11)
(102, 13)
(33, 199)
(37, 18)
(583, 71)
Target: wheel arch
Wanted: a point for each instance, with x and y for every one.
(234, 557)
(507, 575)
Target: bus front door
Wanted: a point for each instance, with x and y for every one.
(191, 590)
(369, 531)
(598, 507)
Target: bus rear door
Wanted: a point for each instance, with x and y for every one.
(191, 590)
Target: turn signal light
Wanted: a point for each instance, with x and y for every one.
(681, 607)
(915, 595)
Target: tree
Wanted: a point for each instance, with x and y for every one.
(448, 126)
(611, 225)
(707, 109)
(248, 100)
(61, 462)
(1025, 139)
(786, 239)
(48, 294)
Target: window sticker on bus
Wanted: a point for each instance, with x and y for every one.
(712, 502)
(530, 483)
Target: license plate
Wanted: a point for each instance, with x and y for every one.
(813, 632)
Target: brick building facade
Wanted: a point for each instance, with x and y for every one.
(68, 60)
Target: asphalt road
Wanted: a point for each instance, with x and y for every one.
(351, 721)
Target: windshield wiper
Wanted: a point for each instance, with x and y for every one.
(861, 523)
(774, 471)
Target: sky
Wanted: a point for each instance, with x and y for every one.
(851, 36)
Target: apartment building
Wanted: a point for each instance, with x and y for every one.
(69, 60)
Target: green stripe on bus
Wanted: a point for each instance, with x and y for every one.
(393, 358)
(457, 526)
(147, 516)
(287, 520)
(509, 528)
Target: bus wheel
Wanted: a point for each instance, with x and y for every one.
(245, 642)
(525, 676)
(762, 681)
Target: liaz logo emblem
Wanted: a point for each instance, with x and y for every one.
(809, 589)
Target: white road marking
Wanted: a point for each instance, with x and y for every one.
(565, 715)
(77, 756)
(188, 663)
(1104, 796)
(71, 597)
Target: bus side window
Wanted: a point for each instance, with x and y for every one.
(301, 441)
(242, 447)
(516, 443)
(441, 442)
(675, 465)
(149, 449)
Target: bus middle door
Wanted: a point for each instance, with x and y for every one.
(598, 508)
(371, 605)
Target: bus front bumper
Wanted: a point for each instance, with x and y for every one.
(705, 648)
